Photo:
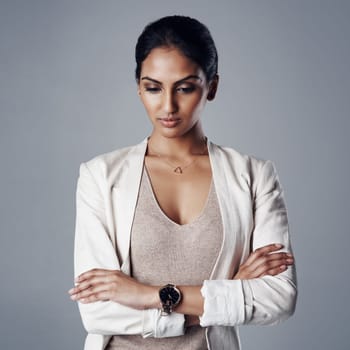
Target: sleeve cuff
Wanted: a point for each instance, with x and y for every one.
(223, 303)
(157, 326)
(248, 300)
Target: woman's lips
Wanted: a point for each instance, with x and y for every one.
(169, 122)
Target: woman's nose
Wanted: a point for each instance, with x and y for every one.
(169, 103)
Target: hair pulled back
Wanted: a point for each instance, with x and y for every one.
(186, 34)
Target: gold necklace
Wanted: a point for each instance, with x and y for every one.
(177, 168)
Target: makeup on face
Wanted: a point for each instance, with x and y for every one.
(173, 90)
(184, 85)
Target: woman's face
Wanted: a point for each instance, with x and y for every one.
(173, 90)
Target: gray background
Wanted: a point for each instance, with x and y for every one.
(68, 93)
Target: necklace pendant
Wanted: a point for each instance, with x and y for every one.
(178, 170)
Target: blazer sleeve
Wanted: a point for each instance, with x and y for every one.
(94, 249)
(266, 300)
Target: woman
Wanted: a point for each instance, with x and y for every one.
(177, 237)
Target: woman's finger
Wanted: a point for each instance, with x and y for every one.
(271, 265)
(92, 273)
(98, 296)
(92, 292)
(91, 278)
(90, 282)
(274, 271)
(261, 265)
(262, 251)
(265, 261)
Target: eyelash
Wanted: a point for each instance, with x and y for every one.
(186, 90)
(152, 89)
(183, 90)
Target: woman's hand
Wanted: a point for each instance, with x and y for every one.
(114, 285)
(264, 261)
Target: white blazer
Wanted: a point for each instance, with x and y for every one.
(253, 214)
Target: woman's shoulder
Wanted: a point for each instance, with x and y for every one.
(252, 170)
(112, 162)
(240, 161)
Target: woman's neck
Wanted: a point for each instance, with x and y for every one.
(193, 143)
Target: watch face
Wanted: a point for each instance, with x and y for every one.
(169, 294)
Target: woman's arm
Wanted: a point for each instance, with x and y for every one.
(266, 299)
(94, 250)
(113, 285)
(264, 282)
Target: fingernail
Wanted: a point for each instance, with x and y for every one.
(73, 297)
(282, 267)
(290, 261)
(289, 254)
(278, 245)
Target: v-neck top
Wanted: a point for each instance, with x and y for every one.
(162, 251)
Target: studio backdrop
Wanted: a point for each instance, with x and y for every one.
(67, 94)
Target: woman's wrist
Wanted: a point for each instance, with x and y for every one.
(152, 300)
(192, 302)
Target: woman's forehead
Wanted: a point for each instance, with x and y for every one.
(169, 64)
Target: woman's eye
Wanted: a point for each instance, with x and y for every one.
(152, 89)
(185, 89)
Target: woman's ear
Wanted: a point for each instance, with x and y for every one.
(213, 86)
(138, 86)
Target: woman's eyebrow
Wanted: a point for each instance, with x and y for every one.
(177, 82)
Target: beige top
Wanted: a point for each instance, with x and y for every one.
(163, 251)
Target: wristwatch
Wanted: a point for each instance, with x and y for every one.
(169, 296)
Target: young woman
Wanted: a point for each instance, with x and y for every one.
(178, 240)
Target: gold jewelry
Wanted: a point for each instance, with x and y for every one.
(177, 168)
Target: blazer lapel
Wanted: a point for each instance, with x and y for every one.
(125, 194)
(234, 202)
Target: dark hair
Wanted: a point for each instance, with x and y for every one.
(187, 34)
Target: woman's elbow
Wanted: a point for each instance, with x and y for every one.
(284, 306)
(275, 302)
(291, 301)
(94, 322)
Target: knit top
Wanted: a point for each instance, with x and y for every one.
(163, 251)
